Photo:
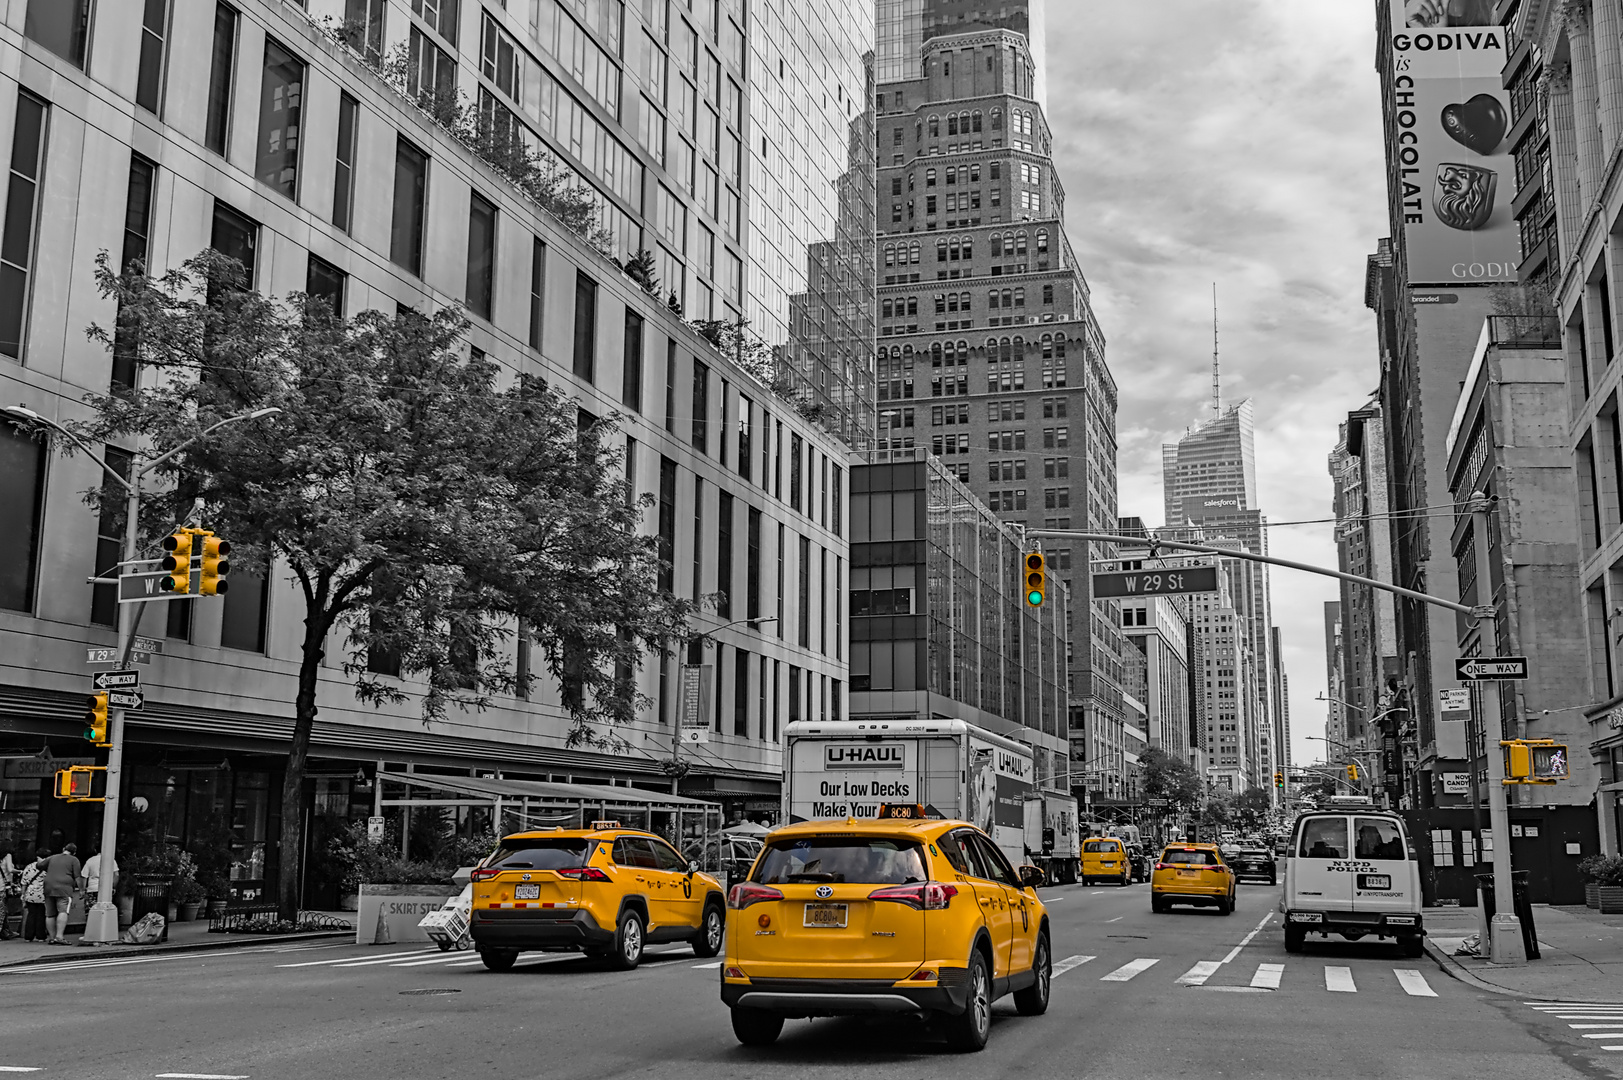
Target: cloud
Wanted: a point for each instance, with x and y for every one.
(1238, 144)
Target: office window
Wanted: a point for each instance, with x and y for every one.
(838, 499)
(235, 236)
(222, 64)
(281, 91)
(363, 26)
(795, 711)
(324, 280)
(667, 524)
(439, 15)
(22, 490)
(242, 621)
(795, 450)
(722, 429)
(805, 592)
(782, 543)
(724, 556)
(585, 327)
(631, 373)
(752, 571)
(538, 270)
(670, 386)
(762, 706)
(701, 406)
(766, 450)
(410, 190)
(746, 414)
(63, 26)
(698, 538)
(822, 615)
(343, 188)
(109, 537)
(137, 243)
(430, 72)
(149, 77)
(17, 239)
(481, 283)
(741, 693)
(839, 611)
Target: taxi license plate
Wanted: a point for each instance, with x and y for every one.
(1188, 873)
(827, 915)
(526, 892)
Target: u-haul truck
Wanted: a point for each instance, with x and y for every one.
(848, 768)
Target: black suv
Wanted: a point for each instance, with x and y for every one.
(1254, 862)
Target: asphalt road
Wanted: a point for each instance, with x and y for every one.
(1185, 994)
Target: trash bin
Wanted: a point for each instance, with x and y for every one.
(152, 895)
(1520, 904)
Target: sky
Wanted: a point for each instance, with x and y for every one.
(1237, 143)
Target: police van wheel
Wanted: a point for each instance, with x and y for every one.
(1295, 937)
(1413, 945)
(755, 1027)
(499, 959)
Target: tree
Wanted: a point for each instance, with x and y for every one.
(640, 268)
(1252, 806)
(1218, 809)
(426, 514)
(1163, 776)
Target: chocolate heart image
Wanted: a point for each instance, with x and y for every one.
(1479, 124)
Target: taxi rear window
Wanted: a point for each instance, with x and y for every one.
(1100, 845)
(834, 859)
(1189, 858)
(541, 854)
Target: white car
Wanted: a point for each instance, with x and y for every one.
(1352, 872)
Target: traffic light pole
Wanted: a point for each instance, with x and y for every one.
(1505, 930)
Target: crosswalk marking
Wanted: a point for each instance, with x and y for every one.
(1068, 963)
(1604, 1034)
(1340, 980)
(1613, 1024)
(353, 959)
(1197, 975)
(712, 964)
(1414, 984)
(1127, 971)
(1268, 976)
(446, 959)
(79, 965)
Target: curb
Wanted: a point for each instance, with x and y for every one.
(83, 952)
(1458, 971)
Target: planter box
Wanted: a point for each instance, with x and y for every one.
(1611, 899)
(388, 914)
(1591, 894)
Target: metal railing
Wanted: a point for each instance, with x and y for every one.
(1524, 331)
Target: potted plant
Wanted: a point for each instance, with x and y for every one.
(1607, 872)
(189, 897)
(217, 887)
(1589, 869)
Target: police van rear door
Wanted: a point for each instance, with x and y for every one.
(1383, 877)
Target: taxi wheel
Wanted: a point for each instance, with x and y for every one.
(970, 1029)
(1033, 1000)
(628, 941)
(707, 942)
(1127, 879)
(499, 959)
(756, 1027)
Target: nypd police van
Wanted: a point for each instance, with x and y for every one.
(1352, 871)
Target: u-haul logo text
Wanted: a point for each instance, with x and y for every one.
(864, 756)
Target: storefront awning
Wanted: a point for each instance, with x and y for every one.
(546, 792)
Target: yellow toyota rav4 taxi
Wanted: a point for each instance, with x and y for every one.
(894, 915)
(608, 892)
(1192, 874)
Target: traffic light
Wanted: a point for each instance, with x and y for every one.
(178, 563)
(1352, 771)
(215, 566)
(82, 783)
(96, 719)
(1279, 780)
(1036, 579)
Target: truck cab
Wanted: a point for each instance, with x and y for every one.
(1352, 872)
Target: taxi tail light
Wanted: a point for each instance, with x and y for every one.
(926, 896)
(483, 873)
(746, 893)
(583, 873)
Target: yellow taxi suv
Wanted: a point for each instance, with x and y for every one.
(1105, 858)
(890, 915)
(1192, 874)
(607, 892)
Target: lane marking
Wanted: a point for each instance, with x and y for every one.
(1247, 939)
(20, 1068)
(361, 961)
(1127, 971)
(715, 964)
(1068, 963)
(201, 1076)
(1339, 980)
(1558, 1001)
(1268, 976)
(1414, 984)
(1197, 975)
(1118, 918)
(80, 965)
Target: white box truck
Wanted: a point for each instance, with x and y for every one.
(847, 768)
(1053, 835)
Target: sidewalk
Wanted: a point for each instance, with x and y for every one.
(183, 937)
(1582, 954)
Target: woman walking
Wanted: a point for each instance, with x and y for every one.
(33, 886)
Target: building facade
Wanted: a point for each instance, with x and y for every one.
(286, 146)
(940, 628)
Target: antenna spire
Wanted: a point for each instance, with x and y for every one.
(1217, 391)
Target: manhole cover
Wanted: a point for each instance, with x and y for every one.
(429, 990)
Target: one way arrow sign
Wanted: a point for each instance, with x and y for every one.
(115, 680)
(1477, 669)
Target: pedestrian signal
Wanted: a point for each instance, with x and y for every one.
(1036, 579)
(96, 719)
(82, 783)
(177, 565)
(1534, 761)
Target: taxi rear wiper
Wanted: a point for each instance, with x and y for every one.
(812, 875)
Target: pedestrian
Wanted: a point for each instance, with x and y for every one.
(32, 881)
(91, 878)
(11, 894)
(61, 882)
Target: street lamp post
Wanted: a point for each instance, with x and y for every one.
(676, 767)
(101, 921)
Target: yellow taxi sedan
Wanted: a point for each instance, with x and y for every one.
(895, 915)
(1192, 874)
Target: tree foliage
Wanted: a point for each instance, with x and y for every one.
(1252, 806)
(1164, 776)
(429, 509)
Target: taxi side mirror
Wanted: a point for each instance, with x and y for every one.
(1031, 877)
(693, 867)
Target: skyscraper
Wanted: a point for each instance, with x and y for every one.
(984, 311)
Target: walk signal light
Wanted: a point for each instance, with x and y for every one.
(1036, 579)
(1535, 761)
(96, 719)
(1352, 771)
(215, 566)
(178, 563)
(82, 783)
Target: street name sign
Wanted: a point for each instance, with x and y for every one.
(126, 699)
(1170, 582)
(147, 645)
(113, 680)
(110, 656)
(1499, 669)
